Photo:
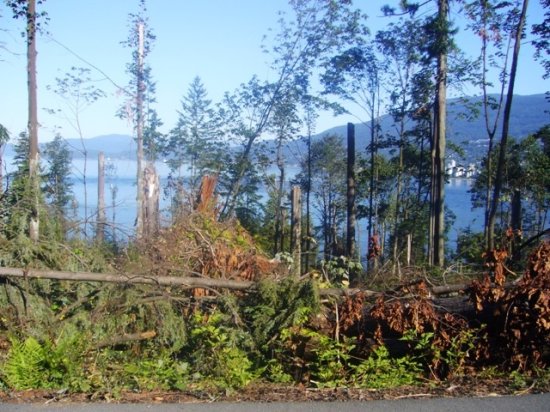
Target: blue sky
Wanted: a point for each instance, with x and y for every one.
(218, 40)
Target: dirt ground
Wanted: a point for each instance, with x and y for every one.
(459, 387)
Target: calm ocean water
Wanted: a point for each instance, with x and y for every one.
(122, 177)
(457, 197)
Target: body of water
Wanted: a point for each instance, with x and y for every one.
(120, 197)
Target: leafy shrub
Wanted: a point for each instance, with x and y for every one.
(380, 371)
(161, 373)
(276, 306)
(340, 270)
(216, 352)
(452, 357)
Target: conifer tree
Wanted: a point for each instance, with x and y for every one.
(194, 144)
(57, 183)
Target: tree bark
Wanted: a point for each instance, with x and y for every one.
(516, 224)
(308, 203)
(34, 222)
(440, 140)
(151, 196)
(140, 219)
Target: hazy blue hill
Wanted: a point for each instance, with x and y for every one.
(113, 145)
(529, 114)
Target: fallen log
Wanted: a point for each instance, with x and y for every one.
(185, 281)
(182, 281)
(192, 282)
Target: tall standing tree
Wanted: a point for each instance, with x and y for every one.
(194, 144)
(27, 9)
(355, 76)
(501, 164)
(441, 27)
(18, 202)
(140, 41)
(401, 46)
(310, 116)
(494, 24)
(439, 42)
(327, 162)
(284, 126)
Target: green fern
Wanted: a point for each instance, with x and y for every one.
(25, 365)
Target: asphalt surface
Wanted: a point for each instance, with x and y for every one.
(527, 403)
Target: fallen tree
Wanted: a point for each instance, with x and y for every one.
(192, 282)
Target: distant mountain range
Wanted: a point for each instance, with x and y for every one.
(529, 114)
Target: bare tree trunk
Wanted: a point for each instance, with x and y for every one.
(409, 248)
(505, 128)
(34, 222)
(114, 191)
(140, 219)
(372, 180)
(279, 199)
(351, 207)
(308, 203)
(100, 231)
(283, 221)
(151, 195)
(399, 188)
(440, 141)
(296, 224)
(431, 230)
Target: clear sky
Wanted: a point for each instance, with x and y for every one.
(218, 40)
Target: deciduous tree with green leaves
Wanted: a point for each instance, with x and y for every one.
(315, 30)
(77, 91)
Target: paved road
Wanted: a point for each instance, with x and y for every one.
(527, 403)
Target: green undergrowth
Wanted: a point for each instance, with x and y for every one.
(109, 338)
(76, 343)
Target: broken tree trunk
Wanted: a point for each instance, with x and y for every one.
(151, 196)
